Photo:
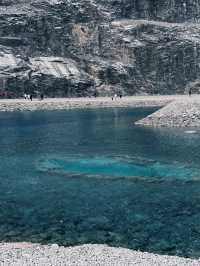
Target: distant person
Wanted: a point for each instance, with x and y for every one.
(41, 96)
(190, 92)
(95, 95)
(31, 97)
(120, 95)
(25, 96)
(115, 96)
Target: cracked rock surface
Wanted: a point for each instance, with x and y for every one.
(90, 47)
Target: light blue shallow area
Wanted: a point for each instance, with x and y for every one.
(92, 176)
(116, 167)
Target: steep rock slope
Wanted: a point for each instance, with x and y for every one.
(87, 47)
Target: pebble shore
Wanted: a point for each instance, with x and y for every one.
(179, 113)
(99, 102)
(25, 254)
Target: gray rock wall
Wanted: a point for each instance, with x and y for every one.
(161, 10)
(131, 46)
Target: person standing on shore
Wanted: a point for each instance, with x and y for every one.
(190, 92)
(31, 97)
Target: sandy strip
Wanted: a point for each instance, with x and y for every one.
(25, 254)
(69, 103)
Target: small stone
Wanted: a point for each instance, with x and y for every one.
(54, 246)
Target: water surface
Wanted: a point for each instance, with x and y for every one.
(91, 176)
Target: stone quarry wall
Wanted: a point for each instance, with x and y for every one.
(87, 47)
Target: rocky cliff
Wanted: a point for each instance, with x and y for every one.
(87, 47)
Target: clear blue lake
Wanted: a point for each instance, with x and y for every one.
(92, 176)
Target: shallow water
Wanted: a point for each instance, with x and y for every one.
(91, 176)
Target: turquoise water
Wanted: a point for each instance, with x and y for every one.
(91, 176)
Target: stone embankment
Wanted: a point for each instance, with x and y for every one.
(87, 255)
(179, 113)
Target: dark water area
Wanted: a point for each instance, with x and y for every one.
(92, 176)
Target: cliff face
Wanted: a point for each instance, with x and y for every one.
(83, 47)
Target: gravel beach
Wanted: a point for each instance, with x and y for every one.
(99, 102)
(179, 113)
(25, 254)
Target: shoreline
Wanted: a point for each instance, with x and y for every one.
(180, 114)
(11, 105)
(17, 254)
